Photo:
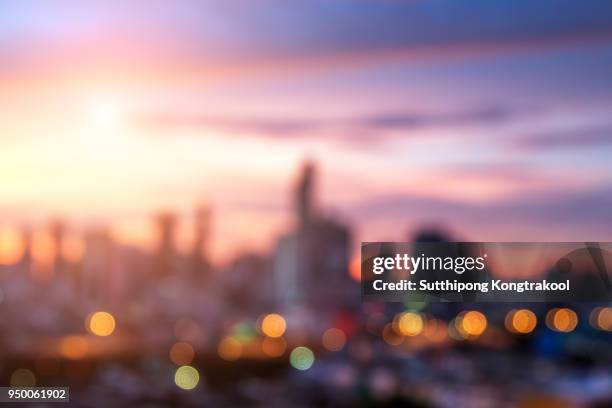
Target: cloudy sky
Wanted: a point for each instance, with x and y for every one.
(490, 118)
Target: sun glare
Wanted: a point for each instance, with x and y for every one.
(105, 113)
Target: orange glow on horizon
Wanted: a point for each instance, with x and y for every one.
(11, 246)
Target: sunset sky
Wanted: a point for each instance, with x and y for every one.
(491, 118)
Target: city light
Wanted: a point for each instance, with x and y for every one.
(273, 347)
(562, 320)
(334, 339)
(301, 358)
(22, 377)
(391, 336)
(435, 330)
(186, 377)
(455, 331)
(101, 324)
(73, 347)
(472, 323)
(522, 321)
(601, 318)
(273, 325)
(409, 324)
(181, 353)
(229, 349)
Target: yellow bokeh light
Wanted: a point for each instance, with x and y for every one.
(74, 347)
(409, 324)
(186, 377)
(181, 353)
(334, 339)
(273, 325)
(522, 321)
(22, 377)
(230, 349)
(473, 323)
(562, 320)
(101, 324)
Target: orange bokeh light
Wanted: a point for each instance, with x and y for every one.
(563, 320)
(74, 347)
(181, 353)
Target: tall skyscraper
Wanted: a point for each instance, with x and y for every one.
(25, 263)
(304, 195)
(95, 279)
(165, 258)
(200, 256)
(311, 262)
(57, 229)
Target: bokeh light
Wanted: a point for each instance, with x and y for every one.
(74, 347)
(601, 318)
(186, 377)
(409, 324)
(273, 325)
(435, 330)
(391, 336)
(273, 347)
(455, 331)
(229, 349)
(22, 377)
(562, 320)
(334, 339)
(301, 358)
(522, 321)
(181, 353)
(101, 323)
(472, 323)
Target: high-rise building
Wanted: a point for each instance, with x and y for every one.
(200, 256)
(94, 281)
(165, 258)
(25, 263)
(57, 229)
(304, 195)
(311, 263)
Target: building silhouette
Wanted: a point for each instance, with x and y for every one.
(201, 266)
(165, 256)
(311, 262)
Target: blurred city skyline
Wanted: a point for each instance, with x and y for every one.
(489, 119)
(184, 186)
